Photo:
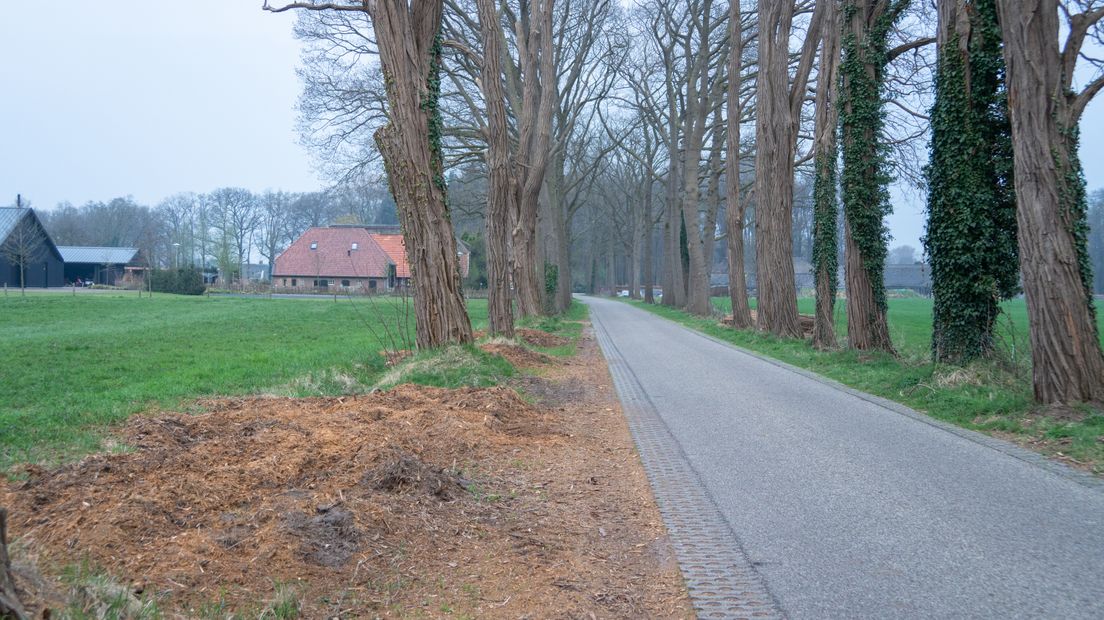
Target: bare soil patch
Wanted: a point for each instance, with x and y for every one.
(416, 501)
(517, 355)
(540, 338)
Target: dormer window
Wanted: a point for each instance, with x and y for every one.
(356, 246)
(314, 245)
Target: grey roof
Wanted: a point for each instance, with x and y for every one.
(9, 218)
(98, 256)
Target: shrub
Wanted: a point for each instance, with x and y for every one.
(184, 281)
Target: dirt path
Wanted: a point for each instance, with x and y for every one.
(419, 502)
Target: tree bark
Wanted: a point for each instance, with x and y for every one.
(778, 107)
(674, 278)
(501, 192)
(697, 280)
(9, 601)
(866, 325)
(864, 195)
(1067, 365)
(712, 203)
(534, 135)
(649, 267)
(409, 46)
(734, 205)
(825, 246)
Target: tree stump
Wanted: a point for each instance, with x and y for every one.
(10, 606)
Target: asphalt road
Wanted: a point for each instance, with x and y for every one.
(848, 508)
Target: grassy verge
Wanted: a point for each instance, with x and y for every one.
(568, 326)
(73, 365)
(988, 397)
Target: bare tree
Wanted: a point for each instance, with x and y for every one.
(235, 219)
(273, 219)
(778, 110)
(501, 192)
(409, 44)
(1045, 111)
(736, 204)
(25, 244)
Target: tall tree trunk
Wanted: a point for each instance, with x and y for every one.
(501, 192)
(734, 205)
(408, 36)
(649, 267)
(778, 108)
(634, 251)
(1067, 365)
(866, 325)
(611, 264)
(864, 179)
(534, 136)
(697, 281)
(410, 50)
(971, 229)
(559, 228)
(712, 203)
(674, 283)
(825, 226)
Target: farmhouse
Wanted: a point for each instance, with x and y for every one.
(366, 258)
(99, 265)
(25, 243)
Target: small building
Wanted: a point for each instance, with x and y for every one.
(391, 240)
(25, 242)
(98, 265)
(364, 258)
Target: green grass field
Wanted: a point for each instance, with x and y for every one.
(993, 397)
(910, 324)
(75, 364)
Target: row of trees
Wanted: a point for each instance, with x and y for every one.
(646, 134)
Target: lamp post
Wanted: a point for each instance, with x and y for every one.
(176, 256)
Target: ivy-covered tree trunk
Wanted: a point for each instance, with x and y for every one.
(864, 182)
(1067, 365)
(409, 43)
(410, 55)
(825, 242)
(501, 190)
(971, 232)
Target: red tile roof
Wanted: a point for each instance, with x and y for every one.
(396, 249)
(334, 256)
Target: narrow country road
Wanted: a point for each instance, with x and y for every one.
(786, 496)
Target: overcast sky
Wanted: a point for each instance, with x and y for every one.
(148, 98)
